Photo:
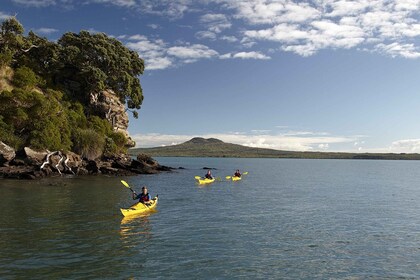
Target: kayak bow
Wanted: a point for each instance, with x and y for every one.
(139, 208)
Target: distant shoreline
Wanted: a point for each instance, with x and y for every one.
(214, 148)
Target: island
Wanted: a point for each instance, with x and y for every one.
(201, 147)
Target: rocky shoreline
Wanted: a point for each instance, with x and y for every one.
(30, 164)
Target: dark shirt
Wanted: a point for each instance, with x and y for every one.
(143, 197)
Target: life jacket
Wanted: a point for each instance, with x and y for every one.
(144, 197)
(208, 176)
(237, 174)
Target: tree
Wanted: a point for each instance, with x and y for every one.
(95, 62)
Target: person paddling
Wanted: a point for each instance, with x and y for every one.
(144, 197)
(237, 173)
(208, 175)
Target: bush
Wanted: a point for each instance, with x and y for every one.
(110, 148)
(101, 126)
(119, 140)
(25, 78)
(88, 143)
(6, 58)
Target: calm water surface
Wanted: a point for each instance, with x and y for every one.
(288, 219)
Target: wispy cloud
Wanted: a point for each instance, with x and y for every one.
(303, 27)
(35, 3)
(245, 55)
(215, 22)
(160, 55)
(405, 146)
(121, 3)
(4, 15)
(45, 30)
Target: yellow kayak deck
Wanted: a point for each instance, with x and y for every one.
(139, 208)
(235, 178)
(205, 181)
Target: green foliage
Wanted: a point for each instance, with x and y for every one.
(6, 57)
(47, 104)
(88, 143)
(110, 148)
(7, 136)
(120, 140)
(24, 77)
(36, 119)
(11, 36)
(101, 126)
(96, 61)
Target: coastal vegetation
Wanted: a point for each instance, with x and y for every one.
(51, 91)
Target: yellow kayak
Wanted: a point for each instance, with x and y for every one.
(205, 181)
(139, 208)
(235, 178)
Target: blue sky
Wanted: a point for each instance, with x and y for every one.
(329, 75)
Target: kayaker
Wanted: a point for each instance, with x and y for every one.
(144, 197)
(208, 175)
(237, 173)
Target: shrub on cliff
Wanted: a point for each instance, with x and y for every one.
(88, 143)
(24, 77)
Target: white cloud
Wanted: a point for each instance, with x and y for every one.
(405, 146)
(4, 16)
(195, 51)
(206, 35)
(45, 30)
(154, 26)
(158, 55)
(259, 140)
(230, 39)
(215, 22)
(245, 55)
(35, 3)
(121, 3)
(389, 27)
(384, 26)
(397, 49)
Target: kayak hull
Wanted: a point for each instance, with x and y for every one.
(235, 178)
(205, 181)
(139, 208)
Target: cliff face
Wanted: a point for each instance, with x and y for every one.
(107, 105)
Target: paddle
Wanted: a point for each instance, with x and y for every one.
(197, 177)
(128, 186)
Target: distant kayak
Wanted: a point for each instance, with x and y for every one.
(205, 181)
(139, 208)
(235, 178)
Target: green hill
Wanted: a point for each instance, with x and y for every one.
(200, 147)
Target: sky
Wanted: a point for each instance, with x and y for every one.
(321, 75)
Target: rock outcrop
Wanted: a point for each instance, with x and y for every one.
(31, 164)
(7, 153)
(106, 104)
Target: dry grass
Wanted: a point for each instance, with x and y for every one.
(6, 75)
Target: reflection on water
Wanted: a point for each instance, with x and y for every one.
(136, 229)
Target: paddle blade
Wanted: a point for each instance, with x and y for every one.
(228, 177)
(197, 177)
(245, 173)
(125, 184)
